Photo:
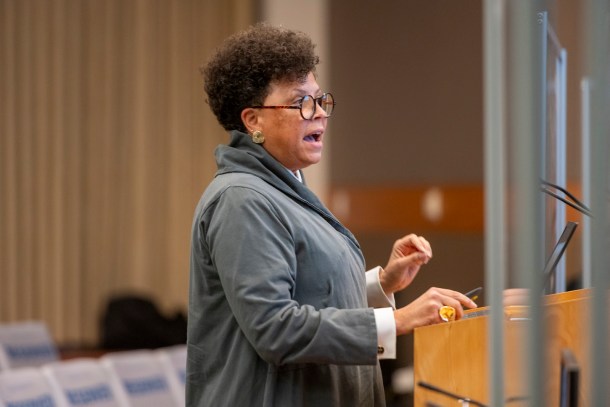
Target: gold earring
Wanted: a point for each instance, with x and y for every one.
(258, 137)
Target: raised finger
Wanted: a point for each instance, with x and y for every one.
(418, 244)
(426, 245)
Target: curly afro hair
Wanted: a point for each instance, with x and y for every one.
(240, 72)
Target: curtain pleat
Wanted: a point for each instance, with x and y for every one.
(106, 144)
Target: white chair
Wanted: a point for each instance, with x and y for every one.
(83, 382)
(26, 344)
(173, 359)
(141, 376)
(26, 387)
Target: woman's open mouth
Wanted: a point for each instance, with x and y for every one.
(313, 137)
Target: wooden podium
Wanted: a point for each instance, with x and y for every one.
(453, 356)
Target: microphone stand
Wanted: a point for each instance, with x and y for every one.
(466, 402)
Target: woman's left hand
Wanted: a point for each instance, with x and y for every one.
(408, 254)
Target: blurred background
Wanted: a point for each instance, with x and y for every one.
(106, 143)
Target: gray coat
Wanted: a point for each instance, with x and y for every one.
(278, 311)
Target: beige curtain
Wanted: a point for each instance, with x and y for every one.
(105, 147)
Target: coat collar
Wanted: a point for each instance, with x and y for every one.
(242, 155)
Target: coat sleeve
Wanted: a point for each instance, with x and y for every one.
(254, 254)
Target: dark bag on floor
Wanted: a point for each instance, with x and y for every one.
(134, 322)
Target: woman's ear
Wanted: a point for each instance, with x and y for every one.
(249, 117)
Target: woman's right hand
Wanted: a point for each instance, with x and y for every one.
(425, 309)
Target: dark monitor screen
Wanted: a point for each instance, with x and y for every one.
(569, 380)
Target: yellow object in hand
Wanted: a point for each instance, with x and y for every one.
(447, 313)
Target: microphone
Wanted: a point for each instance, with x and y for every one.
(464, 400)
(461, 399)
(568, 199)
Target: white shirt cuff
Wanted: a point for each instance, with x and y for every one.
(375, 295)
(384, 314)
(386, 333)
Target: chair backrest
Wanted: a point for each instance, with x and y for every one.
(83, 382)
(173, 360)
(26, 344)
(142, 376)
(26, 387)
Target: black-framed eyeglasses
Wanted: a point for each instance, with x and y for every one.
(307, 105)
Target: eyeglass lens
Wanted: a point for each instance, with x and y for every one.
(308, 105)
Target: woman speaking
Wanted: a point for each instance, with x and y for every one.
(282, 311)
